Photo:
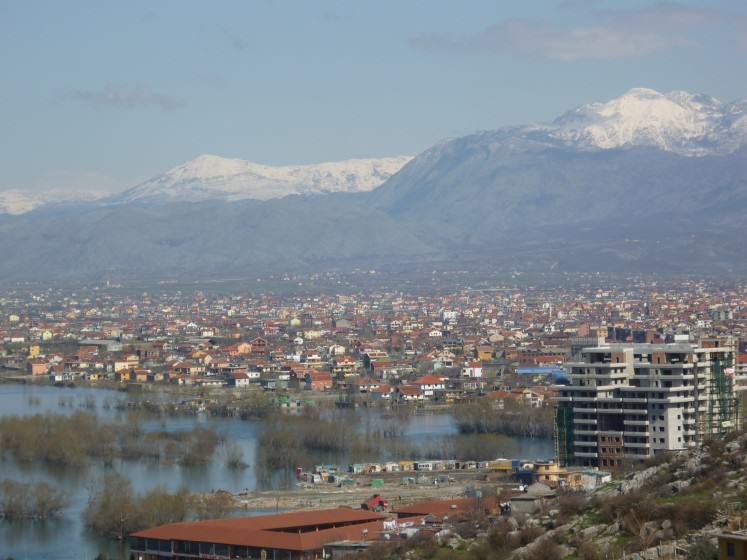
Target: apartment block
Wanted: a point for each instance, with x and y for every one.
(632, 401)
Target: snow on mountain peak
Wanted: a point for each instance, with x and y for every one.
(208, 165)
(16, 201)
(677, 121)
(214, 177)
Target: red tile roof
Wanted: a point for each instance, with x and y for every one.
(301, 531)
(429, 380)
(441, 507)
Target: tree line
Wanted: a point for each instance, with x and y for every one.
(114, 509)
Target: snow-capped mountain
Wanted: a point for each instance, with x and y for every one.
(647, 182)
(680, 122)
(214, 177)
(677, 122)
(20, 201)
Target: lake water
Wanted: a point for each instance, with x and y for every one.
(67, 537)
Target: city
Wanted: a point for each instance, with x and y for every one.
(515, 397)
(373, 280)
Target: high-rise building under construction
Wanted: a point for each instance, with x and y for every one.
(631, 401)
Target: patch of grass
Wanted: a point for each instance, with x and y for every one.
(591, 518)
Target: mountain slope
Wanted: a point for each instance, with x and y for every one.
(476, 187)
(197, 240)
(623, 166)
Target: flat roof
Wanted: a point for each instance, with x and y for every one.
(738, 536)
(674, 347)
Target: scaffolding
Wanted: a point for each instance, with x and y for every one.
(723, 404)
(563, 435)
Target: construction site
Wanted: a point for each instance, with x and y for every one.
(632, 401)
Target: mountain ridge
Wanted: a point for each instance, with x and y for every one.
(687, 124)
(524, 196)
(215, 177)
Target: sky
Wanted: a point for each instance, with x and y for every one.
(102, 95)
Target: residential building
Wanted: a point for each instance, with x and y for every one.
(631, 401)
(732, 545)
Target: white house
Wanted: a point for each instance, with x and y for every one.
(429, 384)
(473, 370)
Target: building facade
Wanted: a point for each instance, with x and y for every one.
(631, 401)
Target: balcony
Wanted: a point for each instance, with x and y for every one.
(636, 422)
(584, 420)
(584, 443)
(638, 411)
(585, 454)
(672, 400)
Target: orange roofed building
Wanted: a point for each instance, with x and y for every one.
(300, 535)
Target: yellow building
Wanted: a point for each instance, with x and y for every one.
(549, 472)
(34, 351)
(732, 545)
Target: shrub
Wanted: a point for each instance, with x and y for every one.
(702, 550)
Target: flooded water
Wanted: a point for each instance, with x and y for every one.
(67, 537)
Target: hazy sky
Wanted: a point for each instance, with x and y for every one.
(105, 94)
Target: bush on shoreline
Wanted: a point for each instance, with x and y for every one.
(114, 509)
(75, 440)
(22, 500)
(482, 417)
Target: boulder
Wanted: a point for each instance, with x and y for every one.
(591, 532)
(679, 485)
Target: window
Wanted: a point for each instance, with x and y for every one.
(186, 547)
(731, 551)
